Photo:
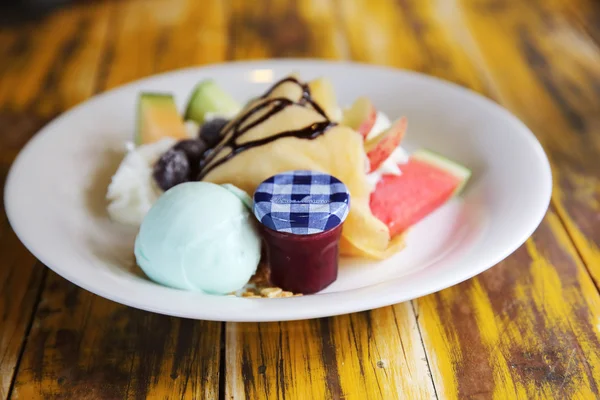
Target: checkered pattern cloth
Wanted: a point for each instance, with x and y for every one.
(301, 202)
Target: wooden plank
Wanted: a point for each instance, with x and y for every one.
(369, 355)
(586, 12)
(20, 275)
(525, 329)
(280, 28)
(159, 35)
(52, 65)
(83, 346)
(20, 279)
(36, 61)
(377, 33)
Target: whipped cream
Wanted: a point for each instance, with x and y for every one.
(132, 190)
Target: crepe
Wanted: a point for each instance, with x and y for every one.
(338, 152)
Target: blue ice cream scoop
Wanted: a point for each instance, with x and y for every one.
(199, 236)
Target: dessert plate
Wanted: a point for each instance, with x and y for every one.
(54, 194)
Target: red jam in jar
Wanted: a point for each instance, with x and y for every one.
(301, 215)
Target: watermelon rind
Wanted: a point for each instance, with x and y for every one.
(461, 172)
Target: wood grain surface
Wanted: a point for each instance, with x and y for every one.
(84, 347)
(20, 274)
(527, 328)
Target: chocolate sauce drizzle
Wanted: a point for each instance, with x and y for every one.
(278, 104)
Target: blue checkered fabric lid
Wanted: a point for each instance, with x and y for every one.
(301, 202)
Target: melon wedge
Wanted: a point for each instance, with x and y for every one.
(426, 183)
(158, 118)
(209, 98)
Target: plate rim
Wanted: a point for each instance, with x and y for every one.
(302, 312)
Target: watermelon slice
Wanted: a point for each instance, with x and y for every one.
(427, 181)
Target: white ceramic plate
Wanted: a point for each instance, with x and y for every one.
(55, 192)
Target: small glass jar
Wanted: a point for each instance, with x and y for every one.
(301, 215)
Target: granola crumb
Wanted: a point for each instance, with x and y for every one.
(260, 286)
(271, 292)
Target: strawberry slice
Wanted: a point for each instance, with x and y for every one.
(381, 147)
(361, 116)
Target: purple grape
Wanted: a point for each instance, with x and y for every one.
(210, 131)
(193, 149)
(171, 169)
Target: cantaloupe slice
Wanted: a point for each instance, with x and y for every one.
(158, 118)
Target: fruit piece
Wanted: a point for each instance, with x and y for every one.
(158, 118)
(323, 94)
(210, 131)
(193, 149)
(460, 171)
(379, 149)
(361, 116)
(382, 123)
(171, 169)
(427, 182)
(208, 97)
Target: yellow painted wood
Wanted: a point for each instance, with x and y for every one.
(139, 39)
(196, 35)
(326, 34)
(380, 355)
(20, 278)
(52, 66)
(82, 346)
(370, 355)
(159, 35)
(526, 329)
(586, 12)
(281, 28)
(377, 33)
(20, 274)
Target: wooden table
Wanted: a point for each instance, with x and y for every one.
(527, 328)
